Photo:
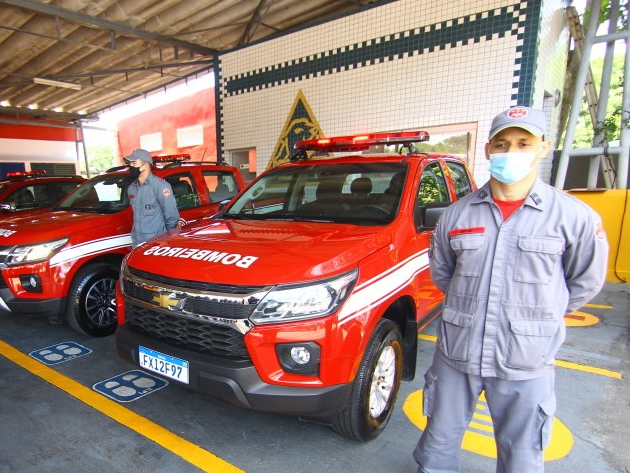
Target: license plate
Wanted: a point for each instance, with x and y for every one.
(165, 365)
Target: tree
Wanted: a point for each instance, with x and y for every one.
(100, 159)
(612, 125)
(585, 132)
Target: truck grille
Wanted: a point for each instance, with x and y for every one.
(196, 305)
(196, 335)
(199, 285)
(199, 316)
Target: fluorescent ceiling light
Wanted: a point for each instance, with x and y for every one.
(56, 83)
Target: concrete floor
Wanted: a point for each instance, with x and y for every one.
(52, 420)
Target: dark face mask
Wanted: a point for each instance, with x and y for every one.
(134, 172)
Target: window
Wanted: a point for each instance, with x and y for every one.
(49, 193)
(221, 185)
(460, 178)
(432, 186)
(183, 191)
(104, 194)
(22, 198)
(151, 142)
(353, 193)
(432, 189)
(190, 136)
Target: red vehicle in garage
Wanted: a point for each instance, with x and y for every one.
(29, 190)
(305, 294)
(65, 263)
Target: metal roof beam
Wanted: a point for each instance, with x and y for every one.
(75, 17)
(252, 24)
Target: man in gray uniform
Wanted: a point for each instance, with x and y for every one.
(512, 259)
(154, 207)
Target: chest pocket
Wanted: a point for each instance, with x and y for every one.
(469, 250)
(536, 259)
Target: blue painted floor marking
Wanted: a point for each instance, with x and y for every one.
(59, 353)
(129, 386)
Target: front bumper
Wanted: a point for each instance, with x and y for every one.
(238, 381)
(17, 305)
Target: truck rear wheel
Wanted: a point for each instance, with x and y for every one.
(375, 388)
(92, 300)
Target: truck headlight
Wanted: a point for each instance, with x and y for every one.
(308, 301)
(33, 253)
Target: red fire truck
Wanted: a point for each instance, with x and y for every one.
(305, 294)
(64, 263)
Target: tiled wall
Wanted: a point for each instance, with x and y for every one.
(399, 65)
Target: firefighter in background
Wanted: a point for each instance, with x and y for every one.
(152, 200)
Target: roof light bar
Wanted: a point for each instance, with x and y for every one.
(171, 158)
(26, 173)
(361, 142)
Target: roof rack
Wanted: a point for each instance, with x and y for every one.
(358, 143)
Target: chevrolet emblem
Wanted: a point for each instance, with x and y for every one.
(167, 300)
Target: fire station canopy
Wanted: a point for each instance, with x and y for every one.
(68, 60)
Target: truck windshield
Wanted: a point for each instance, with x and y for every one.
(104, 194)
(355, 193)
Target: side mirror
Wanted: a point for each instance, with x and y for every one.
(7, 208)
(432, 213)
(223, 204)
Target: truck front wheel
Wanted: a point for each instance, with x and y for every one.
(375, 387)
(91, 301)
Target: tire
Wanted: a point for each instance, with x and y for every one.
(92, 300)
(376, 385)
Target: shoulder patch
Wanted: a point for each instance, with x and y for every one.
(599, 231)
(166, 192)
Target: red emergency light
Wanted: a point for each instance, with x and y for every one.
(358, 142)
(26, 173)
(171, 158)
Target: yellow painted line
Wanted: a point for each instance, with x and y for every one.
(562, 364)
(599, 306)
(428, 338)
(588, 369)
(482, 417)
(482, 427)
(188, 451)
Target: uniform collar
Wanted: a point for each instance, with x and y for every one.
(536, 198)
(146, 181)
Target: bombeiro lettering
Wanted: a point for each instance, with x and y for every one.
(215, 256)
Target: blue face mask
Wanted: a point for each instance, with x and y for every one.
(510, 168)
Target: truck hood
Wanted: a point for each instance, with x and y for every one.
(259, 253)
(50, 226)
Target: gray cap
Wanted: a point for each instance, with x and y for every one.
(529, 119)
(139, 153)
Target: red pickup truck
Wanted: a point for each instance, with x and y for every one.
(27, 191)
(305, 294)
(64, 263)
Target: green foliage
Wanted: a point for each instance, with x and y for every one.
(100, 159)
(604, 14)
(455, 144)
(585, 131)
